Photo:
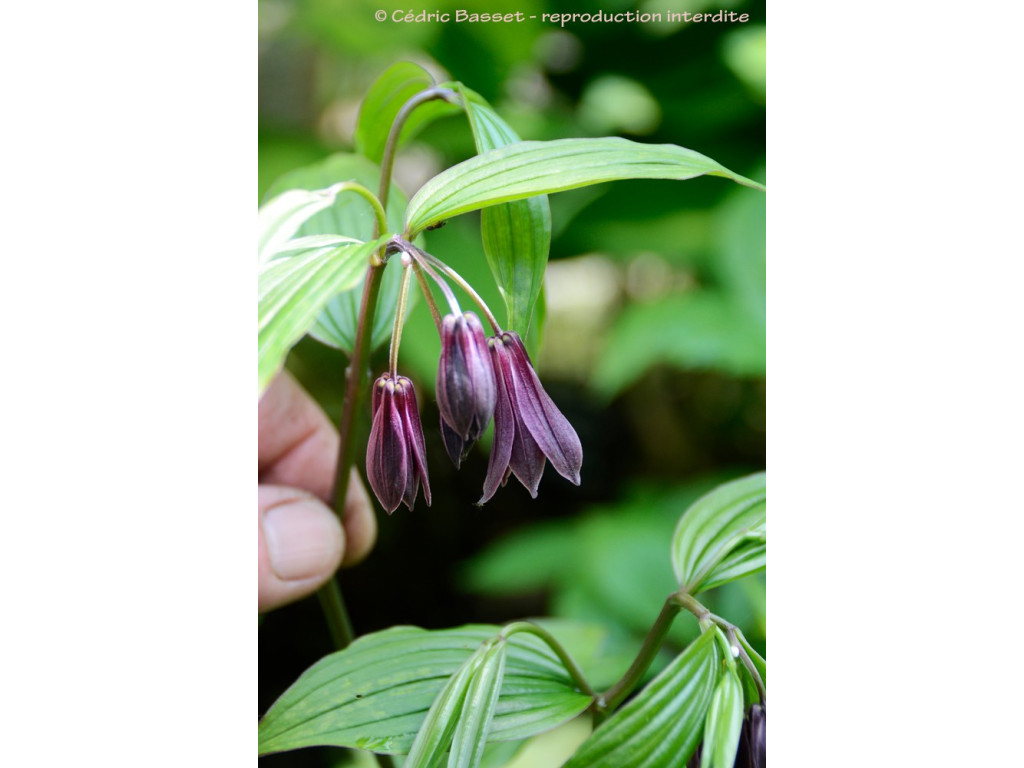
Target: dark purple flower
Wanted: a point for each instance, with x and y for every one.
(528, 427)
(751, 750)
(396, 457)
(756, 735)
(466, 390)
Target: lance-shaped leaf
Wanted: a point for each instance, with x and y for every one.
(749, 557)
(295, 289)
(722, 535)
(723, 723)
(662, 725)
(435, 734)
(395, 86)
(350, 216)
(283, 215)
(759, 663)
(516, 235)
(478, 711)
(376, 693)
(532, 168)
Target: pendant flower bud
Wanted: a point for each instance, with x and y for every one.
(751, 749)
(528, 427)
(466, 391)
(396, 456)
(756, 735)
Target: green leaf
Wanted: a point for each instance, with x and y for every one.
(729, 518)
(745, 559)
(723, 723)
(352, 217)
(700, 330)
(516, 235)
(283, 214)
(376, 693)
(532, 168)
(478, 709)
(499, 570)
(395, 86)
(294, 290)
(435, 734)
(759, 663)
(661, 726)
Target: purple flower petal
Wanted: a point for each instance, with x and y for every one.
(405, 396)
(504, 432)
(396, 457)
(527, 459)
(465, 377)
(453, 444)
(552, 432)
(387, 465)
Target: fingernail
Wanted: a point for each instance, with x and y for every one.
(303, 539)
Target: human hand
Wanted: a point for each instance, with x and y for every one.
(302, 542)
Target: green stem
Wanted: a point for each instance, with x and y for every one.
(388, 161)
(333, 606)
(396, 331)
(427, 295)
(747, 662)
(608, 701)
(731, 630)
(563, 655)
(451, 274)
(357, 379)
(331, 600)
(356, 375)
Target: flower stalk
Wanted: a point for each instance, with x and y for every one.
(357, 375)
(607, 702)
(563, 655)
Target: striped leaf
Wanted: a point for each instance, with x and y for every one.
(531, 168)
(376, 693)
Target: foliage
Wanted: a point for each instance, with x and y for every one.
(442, 696)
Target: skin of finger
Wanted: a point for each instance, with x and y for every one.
(273, 590)
(359, 520)
(298, 446)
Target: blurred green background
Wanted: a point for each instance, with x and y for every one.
(654, 341)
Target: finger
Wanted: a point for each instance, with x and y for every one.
(301, 545)
(297, 444)
(360, 521)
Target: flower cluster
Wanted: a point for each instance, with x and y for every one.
(477, 378)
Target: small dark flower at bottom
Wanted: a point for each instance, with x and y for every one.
(396, 456)
(465, 384)
(751, 752)
(528, 427)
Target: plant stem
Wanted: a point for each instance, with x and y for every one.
(461, 282)
(563, 655)
(748, 663)
(357, 372)
(615, 695)
(731, 630)
(331, 600)
(396, 331)
(333, 606)
(423, 261)
(427, 295)
(388, 161)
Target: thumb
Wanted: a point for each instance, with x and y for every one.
(301, 545)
